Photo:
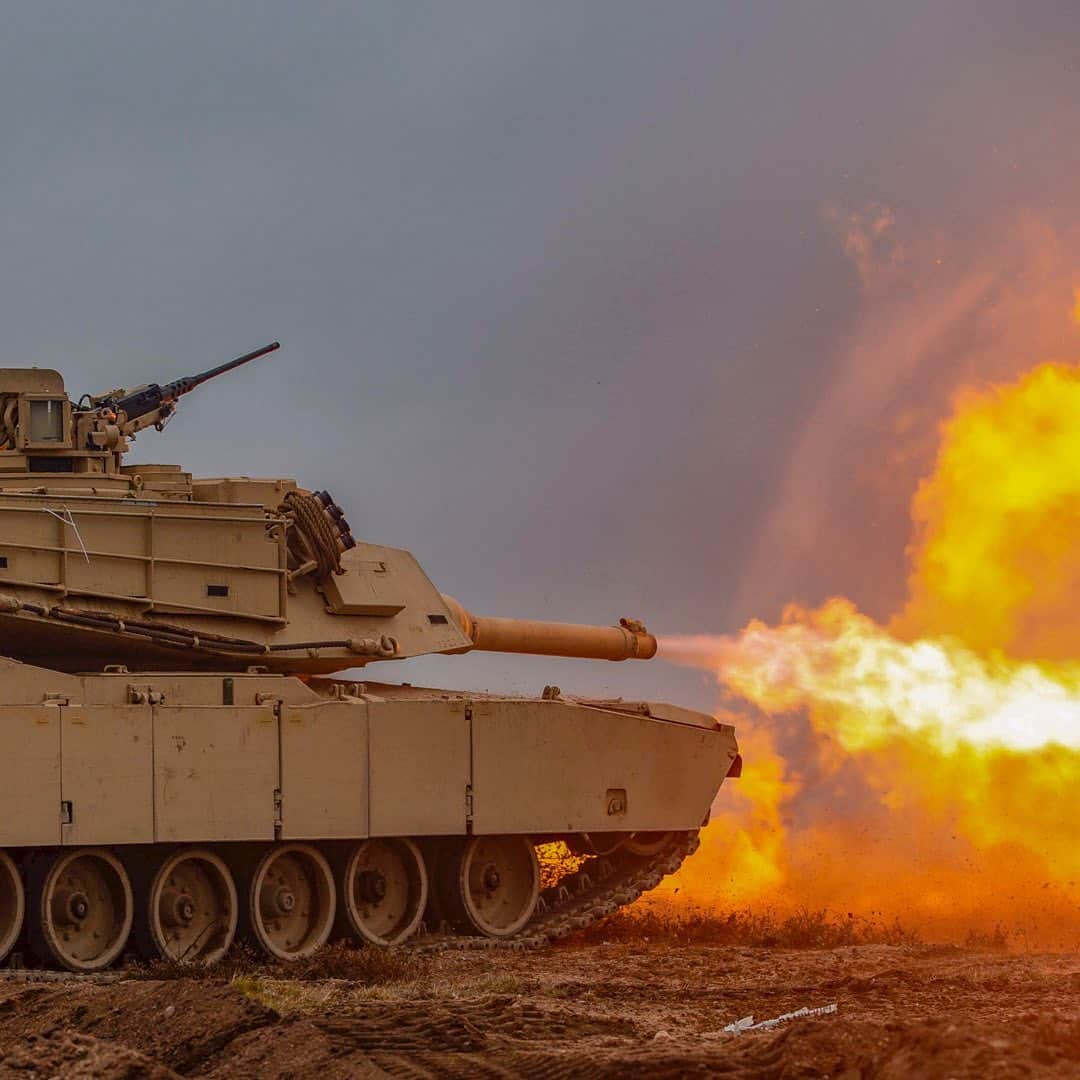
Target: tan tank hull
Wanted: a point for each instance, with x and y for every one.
(118, 776)
(179, 773)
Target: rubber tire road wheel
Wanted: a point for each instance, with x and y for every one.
(189, 909)
(81, 908)
(383, 891)
(291, 901)
(488, 885)
(12, 904)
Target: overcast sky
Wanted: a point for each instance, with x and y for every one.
(601, 308)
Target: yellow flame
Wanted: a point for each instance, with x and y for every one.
(958, 724)
(869, 687)
(996, 559)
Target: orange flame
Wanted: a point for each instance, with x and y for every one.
(926, 771)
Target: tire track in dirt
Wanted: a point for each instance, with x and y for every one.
(650, 1010)
(179, 1024)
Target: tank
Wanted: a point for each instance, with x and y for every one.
(197, 752)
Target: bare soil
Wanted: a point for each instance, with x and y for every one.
(647, 1008)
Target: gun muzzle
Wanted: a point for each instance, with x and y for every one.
(628, 641)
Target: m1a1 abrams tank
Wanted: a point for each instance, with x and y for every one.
(182, 766)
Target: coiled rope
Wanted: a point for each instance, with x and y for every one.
(314, 526)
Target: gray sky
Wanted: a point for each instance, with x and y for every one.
(572, 301)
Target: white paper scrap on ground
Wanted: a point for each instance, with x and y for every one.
(744, 1024)
(747, 1022)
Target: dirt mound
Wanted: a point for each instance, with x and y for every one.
(1048, 1047)
(70, 1055)
(180, 1024)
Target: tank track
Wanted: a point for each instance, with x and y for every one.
(599, 888)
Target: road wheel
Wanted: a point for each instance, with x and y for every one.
(12, 904)
(489, 884)
(81, 908)
(291, 901)
(384, 890)
(192, 908)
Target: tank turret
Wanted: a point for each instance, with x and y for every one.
(152, 568)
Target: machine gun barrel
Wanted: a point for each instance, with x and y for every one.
(178, 387)
(148, 398)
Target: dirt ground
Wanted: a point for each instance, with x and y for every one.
(593, 1009)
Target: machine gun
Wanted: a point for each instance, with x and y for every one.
(154, 404)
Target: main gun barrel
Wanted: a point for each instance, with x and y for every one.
(628, 641)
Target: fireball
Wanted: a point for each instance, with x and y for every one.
(924, 771)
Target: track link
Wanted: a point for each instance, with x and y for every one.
(601, 886)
